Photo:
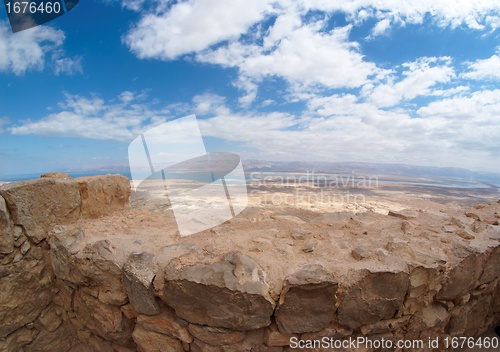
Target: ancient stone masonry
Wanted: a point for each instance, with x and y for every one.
(81, 270)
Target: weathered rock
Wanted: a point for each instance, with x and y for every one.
(466, 234)
(462, 278)
(360, 253)
(63, 245)
(102, 195)
(26, 290)
(215, 336)
(469, 320)
(55, 175)
(377, 296)
(59, 339)
(290, 218)
(333, 330)
(102, 319)
(6, 235)
(166, 323)
(491, 268)
(95, 267)
(18, 339)
(150, 341)
(434, 314)
(307, 301)
(273, 337)
(385, 326)
(139, 272)
(48, 320)
(405, 214)
(39, 204)
(423, 286)
(232, 293)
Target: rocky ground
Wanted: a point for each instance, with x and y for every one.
(299, 261)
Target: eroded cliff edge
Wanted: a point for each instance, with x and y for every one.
(82, 271)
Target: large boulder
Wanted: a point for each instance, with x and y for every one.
(139, 272)
(307, 301)
(39, 204)
(102, 195)
(377, 296)
(6, 235)
(462, 278)
(231, 293)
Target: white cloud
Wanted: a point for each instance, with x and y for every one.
(192, 26)
(460, 131)
(29, 49)
(209, 103)
(34, 49)
(95, 119)
(381, 27)
(418, 79)
(305, 57)
(488, 69)
(280, 38)
(68, 66)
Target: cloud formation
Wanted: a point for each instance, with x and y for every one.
(31, 49)
(91, 117)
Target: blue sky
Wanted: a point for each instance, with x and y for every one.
(364, 80)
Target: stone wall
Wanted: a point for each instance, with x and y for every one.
(68, 284)
(35, 305)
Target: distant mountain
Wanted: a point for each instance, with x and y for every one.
(372, 169)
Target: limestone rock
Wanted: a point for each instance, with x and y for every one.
(434, 314)
(425, 282)
(405, 214)
(273, 337)
(26, 291)
(377, 296)
(39, 204)
(150, 341)
(307, 301)
(231, 293)
(55, 175)
(290, 218)
(102, 319)
(216, 336)
(94, 267)
(139, 272)
(6, 235)
(63, 246)
(462, 278)
(18, 339)
(469, 320)
(491, 269)
(360, 253)
(385, 326)
(102, 195)
(48, 320)
(333, 330)
(59, 339)
(166, 323)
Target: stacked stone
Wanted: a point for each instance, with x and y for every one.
(33, 310)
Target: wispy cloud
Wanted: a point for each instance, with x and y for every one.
(487, 69)
(91, 117)
(33, 50)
